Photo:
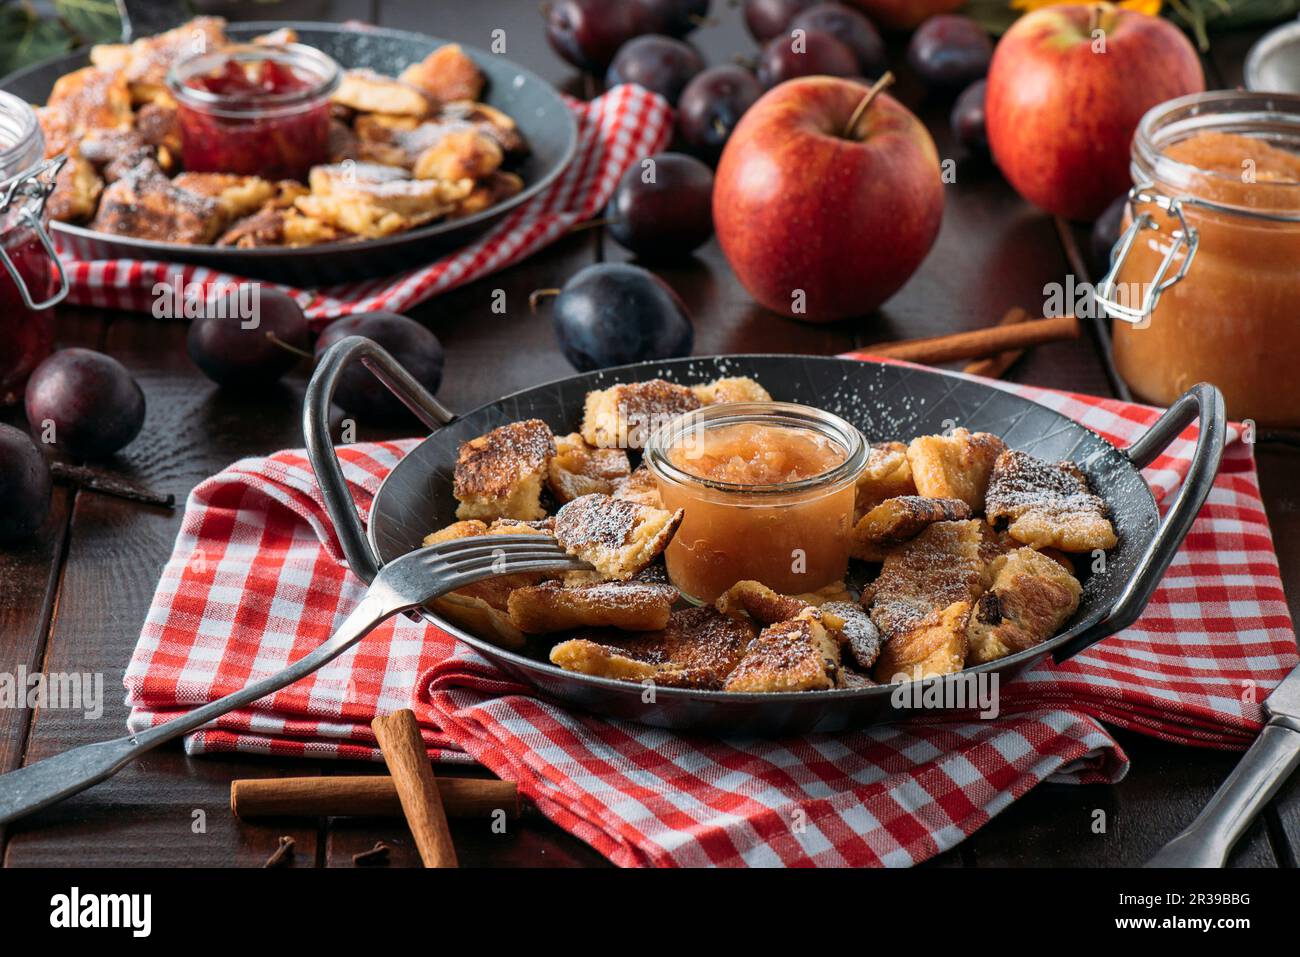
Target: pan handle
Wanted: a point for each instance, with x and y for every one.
(320, 447)
(1202, 401)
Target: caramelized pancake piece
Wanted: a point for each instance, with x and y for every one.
(479, 617)
(887, 474)
(618, 538)
(150, 206)
(796, 655)
(856, 632)
(943, 565)
(301, 230)
(373, 201)
(239, 196)
(110, 56)
(464, 154)
(697, 649)
(56, 129)
(731, 389)
(76, 191)
(1047, 504)
(499, 475)
(92, 99)
(445, 75)
(936, 646)
(1030, 598)
(954, 466)
(152, 57)
(897, 520)
(628, 606)
(760, 603)
(159, 127)
(578, 469)
(487, 193)
(624, 415)
(851, 679)
(639, 487)
(369, 92)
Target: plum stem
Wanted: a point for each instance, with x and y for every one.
(83, 477)
(539, 294)
(866, 101)
(276, 340)
(592, 224)
(719, 127)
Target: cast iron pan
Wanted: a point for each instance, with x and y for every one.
(543, 118)
(884, 401)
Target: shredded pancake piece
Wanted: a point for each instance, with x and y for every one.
(954, 466)
(628, 606)
(897, 520)
(499, 475)
(624, 415)
(617, 538)
(1047, 504)
(1030, 598)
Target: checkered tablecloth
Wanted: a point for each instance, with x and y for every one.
(256, 580)
(614, 131)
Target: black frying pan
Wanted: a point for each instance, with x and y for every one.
(884, 401)
(543, 118)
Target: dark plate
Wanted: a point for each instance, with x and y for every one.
(885, 402)
(539, 110)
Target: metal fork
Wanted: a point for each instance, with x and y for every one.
(403, 584)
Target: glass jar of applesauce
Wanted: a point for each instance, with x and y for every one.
(32, 278)
(1205, 280)
(767, 492)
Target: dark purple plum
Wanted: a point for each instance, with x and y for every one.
(84, 403)
(848, 26)
(358, 391)
(766, 18)
(711, 106)
(25, 486)
(819, 55)
(588, 33)
(611, 314)
(1105, 234)
(676, 17)
(967, 119)
(233, 348)
(657, 63)
(950, 52)
(664, 211)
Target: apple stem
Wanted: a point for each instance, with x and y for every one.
(276, 340)
(537, 295)
(866, 101)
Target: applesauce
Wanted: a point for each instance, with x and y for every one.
(1217, 208)
(767, 492)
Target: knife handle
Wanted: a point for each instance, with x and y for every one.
(1207, 840)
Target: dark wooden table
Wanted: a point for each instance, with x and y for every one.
(75, 599)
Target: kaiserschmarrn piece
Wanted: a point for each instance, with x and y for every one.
(628, 606)
(760, 603)
(616, 537)
(445, 75)
(639, 487)
(1047, 505)
(731, 389)
(464, 154)
(500, 474)
(887, 474)
(624, 415)
(897, 520)
(935, 646)
(92, 99)
(372, 200)
(150, 206)
(800, 654)
(698, 648)
(152, 57)
(856, 631)
(579, 469)
(76, 191)
(954, 466)
(238, 195)
(369, 92)
(1030, 598)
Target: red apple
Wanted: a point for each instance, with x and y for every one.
(904, 14)
(820, 222)
(1066, 89)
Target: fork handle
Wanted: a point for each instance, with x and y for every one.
(46, 782)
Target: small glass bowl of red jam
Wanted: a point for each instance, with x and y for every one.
(255, 110)
(767, 492)
(31, 277)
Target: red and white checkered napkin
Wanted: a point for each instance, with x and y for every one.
(255, 582)
(614, 131)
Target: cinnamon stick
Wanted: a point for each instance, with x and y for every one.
(408, 763)
(979, 342)
(365, 796)
(994, 366)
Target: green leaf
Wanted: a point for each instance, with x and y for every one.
(995, 16)
(25, 38)
(91, 21)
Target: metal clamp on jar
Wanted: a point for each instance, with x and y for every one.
(33, 278)
(1205, 279)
